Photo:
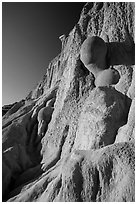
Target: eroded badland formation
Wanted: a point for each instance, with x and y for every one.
(72, 138)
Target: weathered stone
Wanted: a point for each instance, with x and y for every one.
(98, 121)
(87, 151)
(86, 176)
(6, 108)
(91, 176)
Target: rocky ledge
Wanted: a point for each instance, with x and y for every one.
(81, 146)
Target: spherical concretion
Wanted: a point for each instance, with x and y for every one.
(93, 49)
(107, 77)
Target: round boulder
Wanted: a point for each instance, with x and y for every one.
(93, 53)
(107, 77)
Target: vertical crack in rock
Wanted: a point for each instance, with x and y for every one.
(77, 183)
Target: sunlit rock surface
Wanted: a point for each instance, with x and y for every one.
(87, 151)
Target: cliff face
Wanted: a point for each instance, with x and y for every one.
(87, 150)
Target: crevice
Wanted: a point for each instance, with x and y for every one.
(97, 195)
(57, 187)
(96, 188)
(77, 182)
(7, 124)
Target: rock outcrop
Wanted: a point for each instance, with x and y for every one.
(87, 151)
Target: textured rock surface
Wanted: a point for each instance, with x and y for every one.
(98, 121)
(6, 108)
(87, 152)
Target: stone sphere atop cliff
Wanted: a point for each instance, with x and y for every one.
(107, 77)
(93, 51)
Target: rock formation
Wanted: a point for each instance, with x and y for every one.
(107, 77)
(5, 108)
(87, 151)
(44, 117)
(93, 54)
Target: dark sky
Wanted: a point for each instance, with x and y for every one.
(30, 41)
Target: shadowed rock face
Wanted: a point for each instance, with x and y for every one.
(6, 108)
(87, 151)
(127, 132)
